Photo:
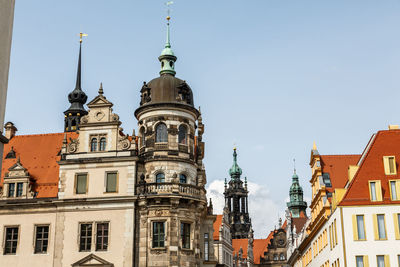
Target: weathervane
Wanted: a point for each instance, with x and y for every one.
(81, 35)
(168, 4)
(294, 165)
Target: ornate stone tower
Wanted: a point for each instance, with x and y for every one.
(237, 202)
(297, 206)
(174, 225)
(77, 98)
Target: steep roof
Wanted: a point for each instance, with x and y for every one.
(260, 246)
(299, 223)
(217, 225)
(385, 143)
(39, 155)
(240, 243)
(337, 167)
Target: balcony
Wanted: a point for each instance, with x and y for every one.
(161, 189)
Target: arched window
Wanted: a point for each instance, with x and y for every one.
(182, 135)
(142, 137)
(275, 257)
(102, 144)
(281, 257)
(161, 133)
(93, 144)
(182, 179)
(160, 178)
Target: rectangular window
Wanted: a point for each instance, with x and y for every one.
(359, 261)
(11, 240)
(375, 190)
(85, 239)
(206, 247)
(380, 261)
(81, 183)
(20, 188)
(102, 236)
(396, 220)
(398, 259)
(11, 190)
(158, 234)
(185, 235)
(111, 182)
(372, 188)
(41, 239)
(393, 191)
(360, 227)
(389, 164)
(381, 226)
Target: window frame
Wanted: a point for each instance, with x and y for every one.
(102, 145)
(19, 193)
(356, 229)
(185, 131)
(206, 246)
(181, 175)
(378, 190)
(116, 181)
(36, 239)
(8, 190)
(186, 237)
(142, 137)
(94, 149)
(157, 181)
(5, 239)
(396, 188)
(159, 241)
(76, 183)
(80, 237)
(387, 165)
(107, 237)
(157, 136)
(376, 224)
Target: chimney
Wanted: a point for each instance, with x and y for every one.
(10, 130)
(393, 127)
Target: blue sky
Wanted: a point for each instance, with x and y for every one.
(271, 76)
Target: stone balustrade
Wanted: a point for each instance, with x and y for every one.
(169, 188)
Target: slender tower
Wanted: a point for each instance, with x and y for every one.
(173, 221)
(236, 199)
(297, 206)
(77, 98)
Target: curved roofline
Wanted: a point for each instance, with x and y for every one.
(167, 104)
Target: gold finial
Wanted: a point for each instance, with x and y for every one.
(314, 147)
(169, 10)
(81, 34)
(234, 146)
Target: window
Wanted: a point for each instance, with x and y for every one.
(389, 163)
(398, 259)
(326, 179)
(206, 247)
(396, 218)
(11, 240)
(20, 188)
(276, 257)
(160, 178)
(358, 227)
(182, 179)
(379, 226)
(93, 144)
(81, 184)
(142, 137)
(395, 189)
(362, 261)
(11, 190)
(111, 182)
(103, 144)
(102, 236)
(161, 133)
(380, 261)
(281, 257)
(375, 190)
(182, 135)
(41, 239)
(185, 235)
(158, 234)
(85, 239)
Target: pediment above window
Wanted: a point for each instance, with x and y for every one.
(92, 261)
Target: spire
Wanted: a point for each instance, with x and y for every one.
(314, 147)
(235, 171)
(101, 91)
(296, 205)
(167, 57)
(78, 73)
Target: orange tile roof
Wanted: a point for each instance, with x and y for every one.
(337, 167)
(385, 143)
(260, 246)
(217, 225)
(39, 155)
(240, 243)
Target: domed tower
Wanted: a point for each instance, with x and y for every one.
(237, 202)
(77, 98)
(297, 206)
(174, 224)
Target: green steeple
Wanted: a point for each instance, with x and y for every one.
(235, 171)
(296, 204)
(167, 57)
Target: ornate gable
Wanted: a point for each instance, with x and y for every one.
(93, 261)
(17, 182)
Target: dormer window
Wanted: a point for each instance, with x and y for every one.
(93, 144)
(182, 135)
(161, 133)
(102, 144)
(17, 182)
(98, 142)
(389, 163)
(11, 189)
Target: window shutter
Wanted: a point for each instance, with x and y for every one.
(387, 262)
(375, 222)
(366, 262)
(398, 189)
(396, 226)
(386, 165)
(378, 190)
(355, 232)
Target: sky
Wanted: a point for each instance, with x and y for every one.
(271, 77)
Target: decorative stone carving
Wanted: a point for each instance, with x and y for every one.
(73, 145)
(84, 119)
(124, 143)
(158, 212)
(99, 115)
(114, 117)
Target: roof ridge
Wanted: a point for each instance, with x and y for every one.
(42, 134)
(340, 155)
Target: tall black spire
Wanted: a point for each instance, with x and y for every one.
(236, 200)
(77, 98)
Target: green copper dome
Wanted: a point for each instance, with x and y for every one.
(296, 204)
(235, 171)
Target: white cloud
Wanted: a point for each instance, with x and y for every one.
(264, 212)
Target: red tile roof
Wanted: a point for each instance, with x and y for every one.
(385, 143)
(299, 223)
(39, 155)
(337, 167)
(217, 225)
(240, 243)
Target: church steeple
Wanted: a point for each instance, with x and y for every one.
(77, 98)
(167, 57)
(235, 171)
(297, 206)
